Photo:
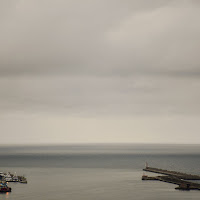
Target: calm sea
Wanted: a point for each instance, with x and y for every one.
(96, 172)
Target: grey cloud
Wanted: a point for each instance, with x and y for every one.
(98, 96)
(99, 70)
(98, 37)
(100, 56)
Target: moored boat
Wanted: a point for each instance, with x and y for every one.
(23, 181)
(4, 187)
(15, 178)
(8, 177)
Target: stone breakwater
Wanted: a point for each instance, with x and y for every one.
(178, 178)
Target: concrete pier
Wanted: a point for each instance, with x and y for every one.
(173, 173)
(178, 178)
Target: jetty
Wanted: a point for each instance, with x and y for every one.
(178, 178)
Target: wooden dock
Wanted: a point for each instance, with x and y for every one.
(178, 178)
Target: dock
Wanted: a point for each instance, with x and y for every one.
(178, 178)
(173, 173)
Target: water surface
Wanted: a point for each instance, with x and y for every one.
(100, 172)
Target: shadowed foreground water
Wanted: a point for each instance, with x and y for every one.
(110, 172)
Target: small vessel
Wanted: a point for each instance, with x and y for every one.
(15, 178)
(2, 175)
(4, 187)
(23, 181)
(8, 177)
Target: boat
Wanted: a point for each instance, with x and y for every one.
(4, 187)
(8, 177)
(15, 178)
(2, 176)
(23, 181)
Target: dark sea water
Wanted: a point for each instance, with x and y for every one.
(96, 172)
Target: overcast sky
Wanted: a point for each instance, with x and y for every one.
(74, 71)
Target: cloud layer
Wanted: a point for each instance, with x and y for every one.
(100, 38)
(100, 58)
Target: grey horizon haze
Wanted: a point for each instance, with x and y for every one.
(99, 71)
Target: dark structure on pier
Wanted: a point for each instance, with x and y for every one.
(178, 178)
